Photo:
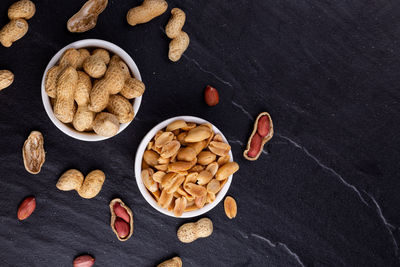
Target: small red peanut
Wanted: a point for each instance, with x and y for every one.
(121, 212)
(263, 126)
(84, 261)
(26, 208)
(211, 96)
(255, 146)
(121, 227)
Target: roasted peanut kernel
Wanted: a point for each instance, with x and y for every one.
(195, 190)
(230, 207)
(213, 186)
(178, 124)
(189, 125)
(222, 160)
(165, 199)
(187, 154)
(181, 138)
(162, 160)
(206, 157)
(163, 139)
(168, 179)
(162, 167)
(200, 201)
(191, 178)
(198, 134)
(212, 168)
(148, 181)
(178, 180)
(227, 170)
(219, 148)
(180, 206)
(199, 146)
(151, 157)
(210, 197)
(196, 168)
(204, 177)
(183, 193)
(179, 166)
(158, 176)
(170, 149)
(218, 138)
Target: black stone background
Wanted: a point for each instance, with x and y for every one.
(325, 194)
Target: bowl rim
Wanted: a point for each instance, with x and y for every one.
(87, 43)
(138, 169)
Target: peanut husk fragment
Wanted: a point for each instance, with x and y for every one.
(114, 217)
(33, 152)
(264, 140)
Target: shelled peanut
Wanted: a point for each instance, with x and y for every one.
(262, 132)
(174, 262)
(185, 165)
(92, 90)
(18, 13)
(121, 219)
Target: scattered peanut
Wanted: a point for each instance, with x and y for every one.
(169, 170)
(13, 31)
(230, 207)
(26, 208)
(180, 39)
(84, 261)
(23, 9)
(18, 13)
(262, 132)
(174, 262)
(189, 232)
(146, 12)
(86, 18)
(6, 79)
(86, 188)
(121, 219)
(211, 96)
(33, 152)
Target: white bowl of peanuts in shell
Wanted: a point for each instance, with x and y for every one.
(92, 90)
(184, 166)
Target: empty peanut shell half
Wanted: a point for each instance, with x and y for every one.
(262, 132)
(33, 152)
(121, 219)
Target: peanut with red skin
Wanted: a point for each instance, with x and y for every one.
(121, 227)
(84, 261)
(121, 212)
(211, 96)
(263, 126)
(26, 208)
(255, 146)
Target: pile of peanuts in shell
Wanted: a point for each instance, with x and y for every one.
(92, 90)
(186, 165)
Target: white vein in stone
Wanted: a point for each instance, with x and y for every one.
(243, 110)
(284, 246)
(389, 227)
(236, 142)
(325, 167)
(207, 71)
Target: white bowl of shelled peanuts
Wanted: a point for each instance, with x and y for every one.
(92, 90)
(184, 166)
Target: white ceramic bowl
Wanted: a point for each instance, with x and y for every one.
(90, 43)
(138, 169)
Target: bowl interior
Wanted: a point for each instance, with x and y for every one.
(138, 169)
(89, 43)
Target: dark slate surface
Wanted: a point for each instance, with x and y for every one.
(325, 192)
